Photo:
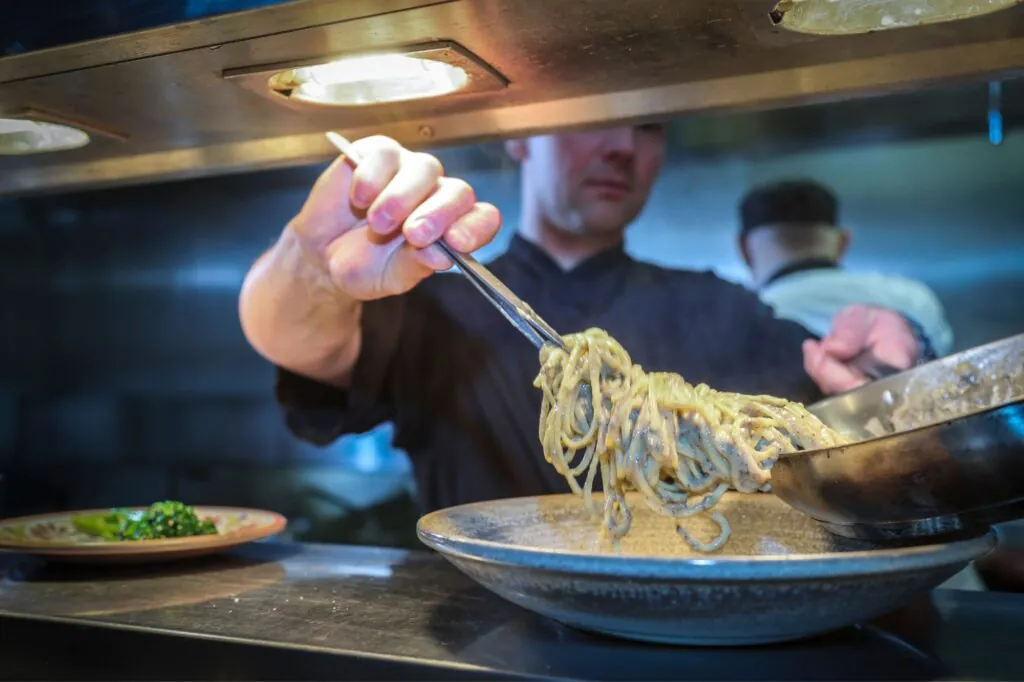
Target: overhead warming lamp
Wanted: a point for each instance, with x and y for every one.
(416, 73)
(848, 17)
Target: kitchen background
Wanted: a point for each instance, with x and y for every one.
(126, 378)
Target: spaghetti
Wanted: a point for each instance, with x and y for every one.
(680, 446)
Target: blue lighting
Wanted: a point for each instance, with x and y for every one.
(995, 112)
(995, 127)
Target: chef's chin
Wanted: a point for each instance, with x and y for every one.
(607, 217)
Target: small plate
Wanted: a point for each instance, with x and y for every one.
(781, 576)
(54, 537)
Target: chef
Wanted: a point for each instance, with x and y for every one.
(347, 306)
(791, 239)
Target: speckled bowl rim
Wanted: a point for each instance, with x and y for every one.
(713, 567)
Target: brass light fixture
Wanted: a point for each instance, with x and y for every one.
(848, 17)
(357, 81)
(416, 73)
(19, 136)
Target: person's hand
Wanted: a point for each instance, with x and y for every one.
(371, 228)
(858, 329)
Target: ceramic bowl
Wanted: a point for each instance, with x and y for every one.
(781, 576)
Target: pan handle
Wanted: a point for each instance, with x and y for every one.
(873, 368)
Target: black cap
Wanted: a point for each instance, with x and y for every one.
(793, 201)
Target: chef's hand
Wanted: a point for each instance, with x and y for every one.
(857, 329)
(370, 227)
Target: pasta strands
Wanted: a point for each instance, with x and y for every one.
(680, 446)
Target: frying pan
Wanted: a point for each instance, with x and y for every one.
(938, 450)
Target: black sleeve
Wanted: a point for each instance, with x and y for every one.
(320, 413)
(780, 344)
(772, 350)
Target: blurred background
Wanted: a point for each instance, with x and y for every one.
(124, 375)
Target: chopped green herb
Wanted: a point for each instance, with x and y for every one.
(168, 519)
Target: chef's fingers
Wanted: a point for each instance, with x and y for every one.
(831, 374)
(377, 161)
(470, 232)
(409, 265)
(452, 199)
(415, 180)
(849, 333)
(475, 229)
(892, 340)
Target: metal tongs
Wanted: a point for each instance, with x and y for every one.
(511, 306)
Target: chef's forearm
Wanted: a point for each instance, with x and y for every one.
(293, 316)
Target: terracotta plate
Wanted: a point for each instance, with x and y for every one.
(53, 536)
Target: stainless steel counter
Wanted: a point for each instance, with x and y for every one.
(276, 610)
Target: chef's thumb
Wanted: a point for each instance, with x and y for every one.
(831, 375)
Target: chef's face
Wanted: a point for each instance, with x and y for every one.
(593, 182)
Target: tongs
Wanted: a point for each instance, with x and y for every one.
(494, 290)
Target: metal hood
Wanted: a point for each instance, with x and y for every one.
(165, 88)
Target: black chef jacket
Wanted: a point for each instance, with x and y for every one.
(456, 378)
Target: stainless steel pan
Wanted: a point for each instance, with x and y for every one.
(939, 450)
